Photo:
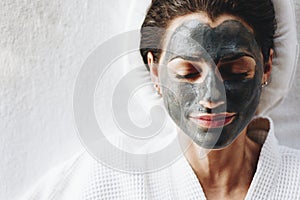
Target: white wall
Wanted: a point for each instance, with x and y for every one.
(42, 47)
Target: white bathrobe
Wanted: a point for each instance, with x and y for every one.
(277, 177)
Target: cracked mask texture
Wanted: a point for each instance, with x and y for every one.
(207, 50)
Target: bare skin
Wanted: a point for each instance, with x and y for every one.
(225, 173)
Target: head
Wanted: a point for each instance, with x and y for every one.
(211, 58)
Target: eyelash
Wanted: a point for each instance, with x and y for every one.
(236, 76)
(188, 76)
(241, 74)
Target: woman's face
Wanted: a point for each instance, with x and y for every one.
(210, 75)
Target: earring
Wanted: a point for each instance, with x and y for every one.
(265, 84)
(157, 89)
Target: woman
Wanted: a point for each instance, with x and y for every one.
(217, 49)
(210, 60)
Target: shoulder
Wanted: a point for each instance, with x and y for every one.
(288, 174)
(290, 158)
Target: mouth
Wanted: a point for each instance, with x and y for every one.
(212, 120)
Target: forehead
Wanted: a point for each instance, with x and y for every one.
(233, 33)
(202, 17)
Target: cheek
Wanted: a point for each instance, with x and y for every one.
(177, 95)
(184, 93)
(237, 91)
(242, 95)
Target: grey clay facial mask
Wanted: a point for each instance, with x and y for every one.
(220, 65)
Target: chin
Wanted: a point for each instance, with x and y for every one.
(222, 146)
(216, 139)
(212, 145)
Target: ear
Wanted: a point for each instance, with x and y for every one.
(268, 68)
(153, 71)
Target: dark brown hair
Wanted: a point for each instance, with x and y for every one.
(259, 14)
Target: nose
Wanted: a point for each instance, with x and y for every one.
(214, 95)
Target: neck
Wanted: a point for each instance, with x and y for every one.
(228, 169)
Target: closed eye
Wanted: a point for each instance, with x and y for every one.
(188, 76)
(184, 70)
(228, 74)
(237, 76)
(239, 69)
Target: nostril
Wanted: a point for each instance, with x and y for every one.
(211, 104)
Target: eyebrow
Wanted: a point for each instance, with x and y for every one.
(189, 58)
(234, 56)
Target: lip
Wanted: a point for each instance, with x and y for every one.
(213, 120)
